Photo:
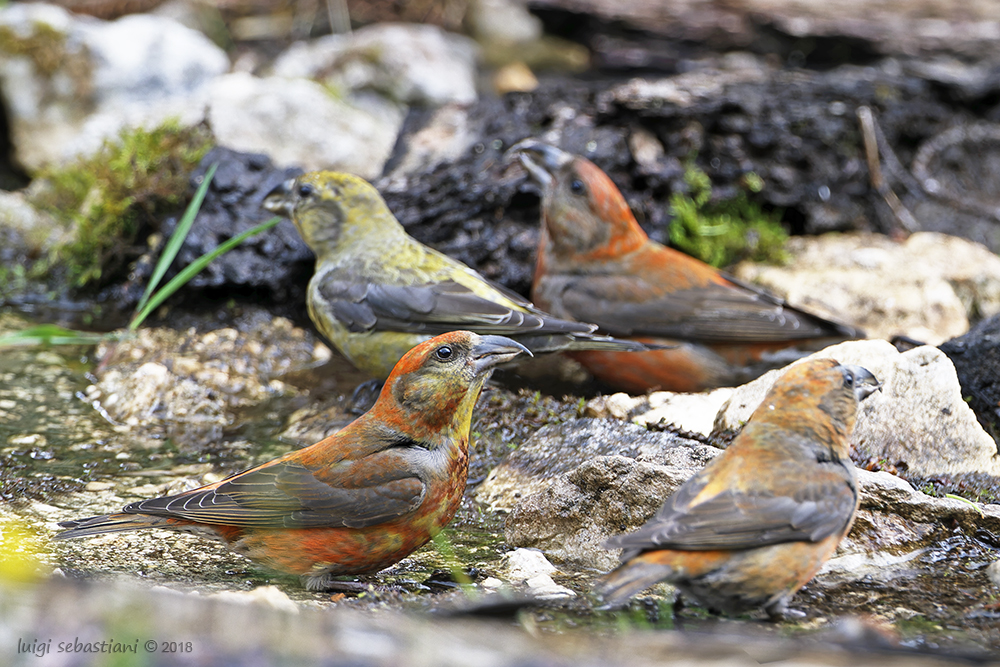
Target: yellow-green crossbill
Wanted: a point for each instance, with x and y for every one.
(377, 292)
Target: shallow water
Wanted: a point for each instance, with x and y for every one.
(61, 457)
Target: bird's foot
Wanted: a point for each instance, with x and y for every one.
(328, 582)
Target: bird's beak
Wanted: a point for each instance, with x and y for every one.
(491, 351)
(278, 201)
(865, 383)
(541, 160)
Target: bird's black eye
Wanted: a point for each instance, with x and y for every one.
(305, 189)
(577, 187)
(444, 352)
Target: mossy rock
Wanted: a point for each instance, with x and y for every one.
(108, 198)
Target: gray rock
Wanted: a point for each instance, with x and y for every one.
(558, 449)
(571, 486)
(919, 421)
(97, 77)
(895, 525)
(411, 64)
(569, 518)
(298, 122)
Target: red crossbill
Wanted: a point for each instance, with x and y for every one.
(596, 264)
(363, 498)
(763, 517)
(377, 292)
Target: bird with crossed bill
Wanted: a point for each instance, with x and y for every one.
(377, 291)
(597, 265)
(359, 500)
(761, 519)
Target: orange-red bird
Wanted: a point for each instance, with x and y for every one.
(363, 498)
(597, 265)
(762, 518)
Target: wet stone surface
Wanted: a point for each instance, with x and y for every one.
(926, 587)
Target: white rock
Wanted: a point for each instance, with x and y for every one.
(523, 564)
(503, 21)
(544, 588)
(270, 596)
(492, 584)
(98, 486)
(918, 418)
(445, 137)
(412, 64)
(691, 412)
(38, 229)
(925, 287)
(298, 122)
(993, 572)
(136, 71)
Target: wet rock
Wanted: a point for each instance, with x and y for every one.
(69, 83)
(918, 422)
(976, 356)
(407, 63)
(927, 287)
(446, 184)
(187, 386)
(569, 518)
(275, 264)
(897, 524)
(560, 448)
(298, 123)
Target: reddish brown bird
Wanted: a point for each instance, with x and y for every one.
(597, 265)
(763, 517)
(363, 498)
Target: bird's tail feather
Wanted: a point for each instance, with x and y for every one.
(630, 578)
(558, 343)
(107, 523)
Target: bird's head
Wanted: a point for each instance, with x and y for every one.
(333, 210)
(819, 388)
(434, 387)
(583, 211)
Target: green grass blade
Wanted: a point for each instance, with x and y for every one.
(177, 238)
(193, 269)
(50, 334)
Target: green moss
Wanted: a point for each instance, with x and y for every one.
(45, 46)
(108, 197)
(723, 233)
